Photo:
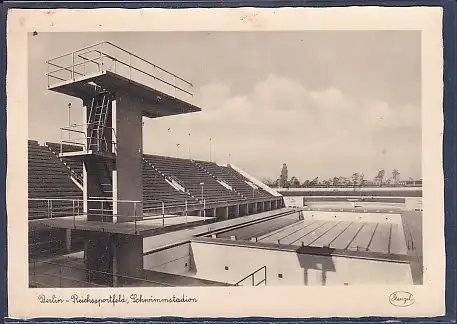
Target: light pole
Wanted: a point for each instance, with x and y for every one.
(210, 149)
(230, 157)
(189, 145)
(202, 184)
(177, 149)
(69, 114)
(203, 200)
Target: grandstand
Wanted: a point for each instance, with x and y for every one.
(104, 213)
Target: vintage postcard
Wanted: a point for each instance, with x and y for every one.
(225, 162)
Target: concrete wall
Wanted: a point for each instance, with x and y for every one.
(348, 216)
(293, 201)
(175, 260)
(211, 260)
(413, 203)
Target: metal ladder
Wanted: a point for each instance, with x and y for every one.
(98, 118)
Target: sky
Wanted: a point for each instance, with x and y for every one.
(326, 103)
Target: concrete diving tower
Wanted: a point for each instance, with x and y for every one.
(117, 89)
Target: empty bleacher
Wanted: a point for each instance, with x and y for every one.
(48, 179)
(167, 180)
(75, 167)
(236, 181)
(156, 189)
(192, 176)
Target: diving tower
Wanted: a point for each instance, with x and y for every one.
(117, 89)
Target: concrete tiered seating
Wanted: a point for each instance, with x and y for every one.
(191, 176)
(75, 167)
(236, 182)
(49, 178)
(156, 190)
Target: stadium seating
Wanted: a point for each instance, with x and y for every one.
(191, 177)
(172, 181)
(156, 189)
(75, 167)
(235, 180)
(48, 179)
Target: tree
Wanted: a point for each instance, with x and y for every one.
(284, 176)
(380, 176)
(306, 183)
(396, 176)
(355, 178)
(294, 182)
(315, 181)
(360, 180)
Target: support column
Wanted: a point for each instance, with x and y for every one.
(113, 259)
(129, 157)
(226, 213)
(98, 258)
(246, 210)
(237, 211)
(254, 208)
(127, 258)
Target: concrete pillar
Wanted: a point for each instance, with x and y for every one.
(226, 213)
(214, 212)
(111, 258)
(98, 258)
(129, 155)
(237, 211)
(127, 258)
(264, 207)
(254, 208)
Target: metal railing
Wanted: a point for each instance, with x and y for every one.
(251, 276)
(99, 140)
(107, 211)
(55, 207)
(106, 56)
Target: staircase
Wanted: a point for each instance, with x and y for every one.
(104, 180)
(100, 139)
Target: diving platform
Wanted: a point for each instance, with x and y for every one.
(117, 88)
(88, 153)
(157, 103)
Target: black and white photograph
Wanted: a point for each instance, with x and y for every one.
(225, 158)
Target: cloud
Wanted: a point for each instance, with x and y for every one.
(315, 131)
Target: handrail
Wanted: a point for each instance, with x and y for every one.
(140, 58)
(252, 275)
(102, 54)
